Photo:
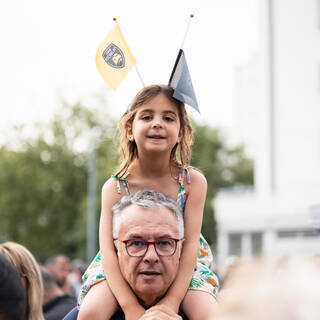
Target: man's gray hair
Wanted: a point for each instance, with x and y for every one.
(146, 199)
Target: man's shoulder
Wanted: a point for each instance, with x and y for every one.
(59, 306)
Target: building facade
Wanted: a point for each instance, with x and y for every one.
(278, 118)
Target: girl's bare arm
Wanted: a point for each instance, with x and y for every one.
(119, 287)
(192, 222)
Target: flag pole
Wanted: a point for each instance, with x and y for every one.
(187, 30)
(138, 73)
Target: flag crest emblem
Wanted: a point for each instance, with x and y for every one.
(113, 56)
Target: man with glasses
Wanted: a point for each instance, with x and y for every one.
(148, 231)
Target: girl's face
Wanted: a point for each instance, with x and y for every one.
(156, 125)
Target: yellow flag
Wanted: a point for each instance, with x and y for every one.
(114, 59)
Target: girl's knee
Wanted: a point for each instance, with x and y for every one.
(95, 310)
(98, 304)
(86, 312)
(199, 305)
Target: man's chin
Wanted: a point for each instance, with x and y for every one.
(149, 294)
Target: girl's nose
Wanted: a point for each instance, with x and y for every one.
(157, 123)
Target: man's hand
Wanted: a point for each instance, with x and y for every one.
(160, 312)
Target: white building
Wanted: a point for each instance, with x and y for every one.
(278, 118)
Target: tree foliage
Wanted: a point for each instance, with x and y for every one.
(223, 167)
(43, 181)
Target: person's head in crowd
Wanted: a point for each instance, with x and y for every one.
(28, 269)
(316, 259)
(50, 286)
(12, 292)
(230, 263)
(75, 276)
(60, 267)
(148, 230)
(56, 304)
(285, 289)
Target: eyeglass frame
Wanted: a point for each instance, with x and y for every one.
(148, 243)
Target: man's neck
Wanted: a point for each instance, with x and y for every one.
(149, 304)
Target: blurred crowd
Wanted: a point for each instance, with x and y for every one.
(31, 291)
(281, 289)
(252, 289)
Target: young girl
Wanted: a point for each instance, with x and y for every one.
(155, 148)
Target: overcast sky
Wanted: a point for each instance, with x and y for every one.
(48, 52)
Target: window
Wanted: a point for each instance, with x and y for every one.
(256, 243)
(300, 233)
(288, 234)
(234, 240)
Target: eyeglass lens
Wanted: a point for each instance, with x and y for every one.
(163, 247)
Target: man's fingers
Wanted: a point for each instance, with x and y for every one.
(159, 315)
(161, 307)
(160, 312)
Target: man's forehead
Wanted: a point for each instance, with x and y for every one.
(155, 222)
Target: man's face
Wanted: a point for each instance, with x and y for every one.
(61, 269)
(149, 276)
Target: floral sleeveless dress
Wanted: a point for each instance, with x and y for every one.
(203, 278)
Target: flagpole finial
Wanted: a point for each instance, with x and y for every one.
(187, 30)
(114, 19)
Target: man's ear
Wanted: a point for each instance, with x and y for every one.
(116, 247)
(180, 246)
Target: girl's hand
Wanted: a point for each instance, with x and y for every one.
(160, 312)
(170, 302)
(134, 312)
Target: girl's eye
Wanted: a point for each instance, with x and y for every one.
(168, 119)
(146, 117)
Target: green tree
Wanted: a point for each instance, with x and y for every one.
(43, 184)
(223, 167)
(43, 180)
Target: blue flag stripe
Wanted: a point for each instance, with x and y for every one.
(180, 81)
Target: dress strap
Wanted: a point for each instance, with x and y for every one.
(122, 181)
(184, 174)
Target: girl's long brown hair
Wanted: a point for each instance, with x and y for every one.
(181, 152)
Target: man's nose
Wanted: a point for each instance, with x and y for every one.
(151, 255)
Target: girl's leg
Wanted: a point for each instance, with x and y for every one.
(199, 305)
(99, 303)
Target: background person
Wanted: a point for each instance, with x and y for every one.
(155, 149)
(28, 269)
(12, 292)
(75, 276)
(56, 303)
(60, 267)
